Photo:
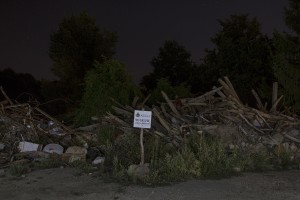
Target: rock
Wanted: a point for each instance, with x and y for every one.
(53, 148)
(275, 140)
(231, 146)
(138, 171)
(2, 172)
(98, 160)
(237, 169)
(2, 146)
(286, 146)
(74, 153)
(293, 148)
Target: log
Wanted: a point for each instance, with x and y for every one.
(259, 103)
(163, 122)
(274, 95)
(231, 88)
(171, 105)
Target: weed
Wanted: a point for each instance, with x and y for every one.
(48, 164)
(18, 169)
(83, 166)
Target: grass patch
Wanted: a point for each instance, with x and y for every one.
(18, 169)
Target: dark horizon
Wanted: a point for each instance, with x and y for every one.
(142, 28)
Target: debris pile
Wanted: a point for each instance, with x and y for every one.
(27, 132)
(220, 113)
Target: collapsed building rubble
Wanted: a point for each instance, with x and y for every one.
(221, 113)
(28, 133)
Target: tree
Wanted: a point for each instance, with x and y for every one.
(75, 46)
(172, 63)
(103, 83)
(286, 58)
(292, 16)
(20, 86)
(243, 54)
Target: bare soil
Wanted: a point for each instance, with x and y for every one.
(64, 184)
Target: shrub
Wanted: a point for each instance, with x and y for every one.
(105, 82)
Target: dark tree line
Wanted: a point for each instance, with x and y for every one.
(242, 52)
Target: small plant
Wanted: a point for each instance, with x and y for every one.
(48, 163)
(105, 134)
(83, 166)
(18, 169)
(119, 172)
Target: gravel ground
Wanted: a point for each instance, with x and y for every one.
(64, 184)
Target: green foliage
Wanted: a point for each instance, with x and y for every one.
(106, 82)
(18, 169)
(200, 158)
(83, 166)
(286, 63)
(286, 57)
(292, 16)
(172, 63)
(105, 134)
(243, 54)
(74, 48)
(77, 44)
(127, 149)
(251, 162)
(48, 163)
(172, 91)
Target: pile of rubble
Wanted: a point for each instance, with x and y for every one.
(221, 113)
(27, 133)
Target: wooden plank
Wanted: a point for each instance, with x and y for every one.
(259, 103)
(6, 97)
(274, 95)
(274, 106)
(221, 94)
(163, 122)
(171, 105)
(207, 94)
(51, 118)
(231, 87)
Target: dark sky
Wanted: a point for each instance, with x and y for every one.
(142, 27)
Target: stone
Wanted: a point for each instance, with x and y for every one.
(74, 153)
(53, 148)
(293, 148)
(98, 160)
(138, 171)
(2, 146)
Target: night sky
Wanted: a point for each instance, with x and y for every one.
(142, 27)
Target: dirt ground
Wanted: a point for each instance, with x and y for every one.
(64, 184)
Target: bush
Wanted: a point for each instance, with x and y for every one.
(173, 92)
(105, 82)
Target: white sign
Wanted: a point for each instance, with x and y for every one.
(142, 119)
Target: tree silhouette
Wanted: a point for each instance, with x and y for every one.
(243, 54)
(74, 47)
(286, 59)
(172, 63)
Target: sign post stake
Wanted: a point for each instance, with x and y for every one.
(142, 119)
(142, 146)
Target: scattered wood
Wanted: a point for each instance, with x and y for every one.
(204, 114)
